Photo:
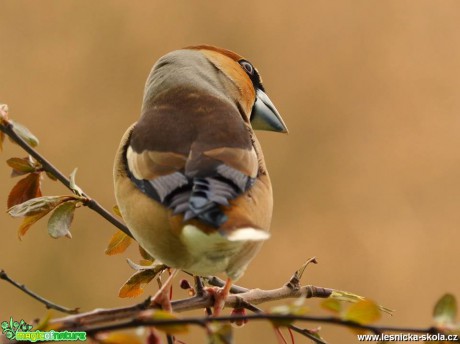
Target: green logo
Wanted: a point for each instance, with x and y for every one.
(21, 331)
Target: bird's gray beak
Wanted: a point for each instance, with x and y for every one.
(264, 115)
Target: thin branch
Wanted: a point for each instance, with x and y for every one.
(217, 282)
(48, 304)
(299, 330)
(146, 320)
(253, 296)
(199, 286)
(7, 127)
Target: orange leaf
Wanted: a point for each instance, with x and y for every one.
(28, 222)
(134, 286)
(118, 244)
(26, 189)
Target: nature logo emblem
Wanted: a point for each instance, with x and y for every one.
(21, 331)
(9, 329)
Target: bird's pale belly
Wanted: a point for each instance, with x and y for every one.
(210, 253)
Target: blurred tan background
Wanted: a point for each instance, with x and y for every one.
(368, 179)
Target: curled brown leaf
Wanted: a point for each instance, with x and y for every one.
(26, 189)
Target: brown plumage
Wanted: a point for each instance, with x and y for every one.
(190, 178)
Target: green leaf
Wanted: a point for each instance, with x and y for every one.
(332, 305)
(37, 205)
(350, 297)
(220, 333)
(118, 243)
(22, 165)
(25, 134)
(362, 312)
(61, 220)
(170, 329)
(445, 310)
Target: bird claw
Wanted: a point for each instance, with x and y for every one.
(220, 295)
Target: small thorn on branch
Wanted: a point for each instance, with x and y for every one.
(294, 281)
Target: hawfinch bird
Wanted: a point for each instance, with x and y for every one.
(190, 177)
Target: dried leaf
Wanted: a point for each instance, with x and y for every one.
(73, 186)
(37, 205)
(220, 333)
(116, 211)
(445, 310)
(299, 273)
(25, 134)
(332, 305)
(51, 176)
(170, 329)
(362, 312)
(28, 222)
(118, 244)
(134, 286)
(61, 220)
(24, 165)
(146, 265)
(145, 254)
(119, 338)
(26, 189)
(3, 112)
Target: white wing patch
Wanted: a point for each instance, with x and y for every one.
(248, 234)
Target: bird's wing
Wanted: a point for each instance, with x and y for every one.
(193, 162)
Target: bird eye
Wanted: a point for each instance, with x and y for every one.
(247, 67)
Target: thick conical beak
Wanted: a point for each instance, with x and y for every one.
(265, 116)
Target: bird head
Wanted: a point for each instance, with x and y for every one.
(256, 106)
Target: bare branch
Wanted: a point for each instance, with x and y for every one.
(48, 304)
(252, 296)
(144, 320)
(7, 127)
